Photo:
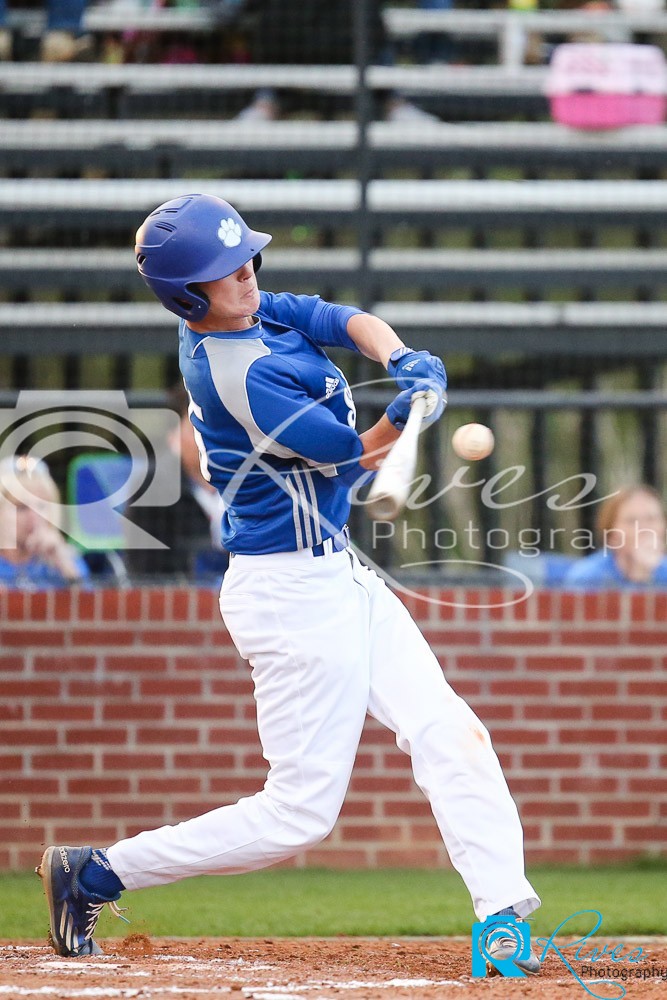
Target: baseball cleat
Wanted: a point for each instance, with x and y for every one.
(503, 948)
(73, 912)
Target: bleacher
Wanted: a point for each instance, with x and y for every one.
(525, 252)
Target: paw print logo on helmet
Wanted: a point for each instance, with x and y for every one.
(229, 232)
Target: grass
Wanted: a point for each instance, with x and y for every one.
(393, 902)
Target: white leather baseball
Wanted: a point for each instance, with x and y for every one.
(473, 441)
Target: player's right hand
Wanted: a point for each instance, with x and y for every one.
(399, 409)
(413, 366)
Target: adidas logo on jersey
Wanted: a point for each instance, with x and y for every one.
(330, 385)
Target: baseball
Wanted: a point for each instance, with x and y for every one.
(473, 442)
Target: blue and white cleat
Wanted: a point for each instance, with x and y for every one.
(73, 912)
(503, 948)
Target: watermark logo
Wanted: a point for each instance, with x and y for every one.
(140, 445)
(500, 941)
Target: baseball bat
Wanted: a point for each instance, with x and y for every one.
(389, 490)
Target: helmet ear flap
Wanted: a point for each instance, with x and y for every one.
(197, 306)
(257, 262)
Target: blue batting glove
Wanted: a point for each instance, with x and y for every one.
(406, 366)
(399, 409)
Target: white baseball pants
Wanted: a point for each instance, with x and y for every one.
(329, 642)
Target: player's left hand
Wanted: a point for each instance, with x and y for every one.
(399, 409)
(414, 365)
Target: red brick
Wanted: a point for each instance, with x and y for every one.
(99, 688)
(170, 785)
(234, 787)
(86, 606)
(520, 737)
(233, 736)
(521, 688)
(11, 663)
(167, 735)
(646, 834)
(62, 663)
(100, 788)
(551, 759)
(589, 735)
(150, 813)
(101, 637)
(625, 710)
(63, 809)
(647, 637)
(591, 785)
(26, 786)
(10, 810)
(549, 807)
(87, 833)
(652, 689)
(647, 735)
(19, 833)
(554, 663)
(205, 761)
(522, 637)
(11, 761)
(369, 831)
(12, 605)
(203, 663)
(96, 735)
(621, 761)
(156, 610)
(136, 663)
(63, 605)
(111, 601)
(29, 688)
(208, 608)
(583, 831)
(180, 605)
(170, 688)
(485, 664)
(556, 710)
(620, 807)
(407, 808)
(29, 736)
(135, 761)
(204, 710)
(588, 689)
(32, 637)
(133, 604)
(133, 711)
(63, 762)
(12, 712)
(410, 857)
(647, 786)
(172, 637)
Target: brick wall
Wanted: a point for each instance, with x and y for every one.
(122, 710)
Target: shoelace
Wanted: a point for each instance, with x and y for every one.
(93, 911)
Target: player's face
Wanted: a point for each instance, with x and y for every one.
(233, 300)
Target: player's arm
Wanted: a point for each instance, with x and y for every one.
(373, 337)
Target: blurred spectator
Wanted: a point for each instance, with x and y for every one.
(62, 40)
(33, 552)
(317, 33)
(191, 526)
(630, 528)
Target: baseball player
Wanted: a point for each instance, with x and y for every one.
(326, 639)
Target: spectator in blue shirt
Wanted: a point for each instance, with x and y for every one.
(62, 40)
(33, 552)
(631, 529)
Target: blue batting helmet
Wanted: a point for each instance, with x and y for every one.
(197, 237)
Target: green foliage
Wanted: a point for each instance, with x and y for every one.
(300, 902)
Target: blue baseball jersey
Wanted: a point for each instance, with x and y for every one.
(275, 422)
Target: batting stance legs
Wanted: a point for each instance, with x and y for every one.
(328, 641)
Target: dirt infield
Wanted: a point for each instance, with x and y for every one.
(306, 969)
